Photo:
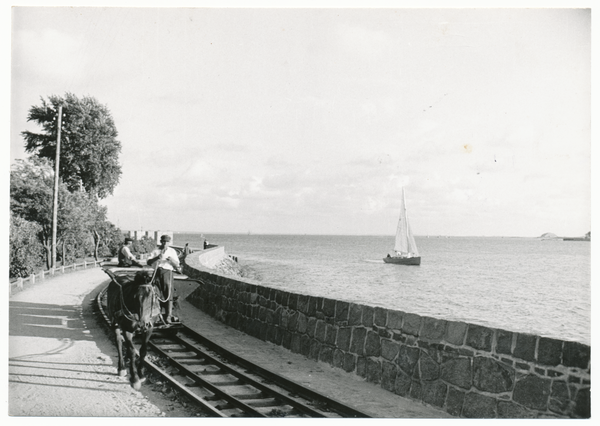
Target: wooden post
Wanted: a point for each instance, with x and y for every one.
(55, 198)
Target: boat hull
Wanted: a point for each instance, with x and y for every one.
(403, 260)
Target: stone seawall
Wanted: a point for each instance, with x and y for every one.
(466, 369)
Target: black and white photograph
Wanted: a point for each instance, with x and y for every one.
(297, 211)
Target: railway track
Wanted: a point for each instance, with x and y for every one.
(225, 384)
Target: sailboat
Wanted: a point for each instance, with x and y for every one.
(405, 248)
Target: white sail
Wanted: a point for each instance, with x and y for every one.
(405, 241)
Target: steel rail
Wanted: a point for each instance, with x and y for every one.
(287, 384)
(241, 377)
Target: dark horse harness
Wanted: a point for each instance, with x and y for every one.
(127, 312)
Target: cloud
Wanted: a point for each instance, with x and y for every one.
(47, 54)
(363, 42)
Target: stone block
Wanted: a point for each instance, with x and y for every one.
(367, 316)
(349, 362)
(380, 317)
(416, 390)
(283, 320)
(269, 316)
(278, 336)
(355, 314)
(305, 345)
(293, 301)
(429, 369)
(373, 371)
(341, 311)
(303, 303)
(532, 392)
(361, 366)
(389, 349)
(273, 294)
(329, 307)
(576, 355)
(330, 334)
(295, 345)
(559, 401)
(284, 298)
(402, 384)
(434, 393)
(326, 354)
(320, 331)
(286, 341)
(394, 320)
(407, 358)
(458, 372)
(343, 338)
(411, 324)
(373, 344)
(582, 404)
(302, 323)
(492, 376)
(271, 333)
(388, 376)
(433, 329)
(315, 348)
(479, 337)
(338, 358)
(504, 342)
(525, 346)
(262, 301)
(478, 406)
(384, 332)
(292, 320)
(314, 305)
(510, 410)
(311, 327)
(357, 344)
(454, 401)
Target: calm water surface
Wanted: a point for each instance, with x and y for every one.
(518, 284)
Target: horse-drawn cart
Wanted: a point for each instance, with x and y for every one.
(134, 307)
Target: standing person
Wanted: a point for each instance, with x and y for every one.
(126, 258)
(164, 259)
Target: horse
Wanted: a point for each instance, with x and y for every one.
(132, 307)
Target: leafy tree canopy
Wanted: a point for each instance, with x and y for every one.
(89, 150)
(80, 217)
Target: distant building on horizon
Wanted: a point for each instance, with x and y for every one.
(153, 235)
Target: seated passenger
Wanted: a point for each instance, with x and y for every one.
(126, 258)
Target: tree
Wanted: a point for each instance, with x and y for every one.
(82, 227)
(89, 151)
(31, 187)
(26, 254)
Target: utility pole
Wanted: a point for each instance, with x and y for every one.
(55, 199)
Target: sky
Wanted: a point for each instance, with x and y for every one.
(312, 120)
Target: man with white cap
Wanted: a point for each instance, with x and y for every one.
(164, 260)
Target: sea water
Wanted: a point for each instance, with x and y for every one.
(519, 284)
